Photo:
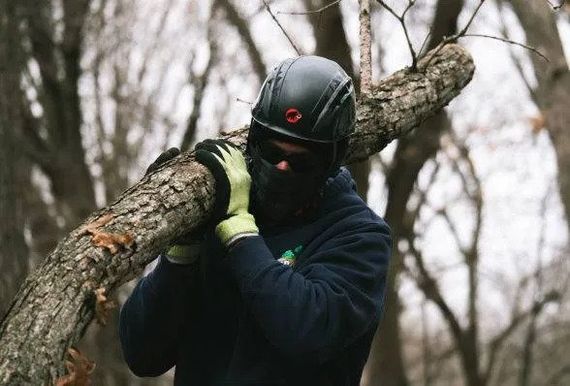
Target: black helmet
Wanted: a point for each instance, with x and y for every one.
(309, 98)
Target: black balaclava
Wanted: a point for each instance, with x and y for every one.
(283, 197)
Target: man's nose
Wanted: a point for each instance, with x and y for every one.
(283, 165)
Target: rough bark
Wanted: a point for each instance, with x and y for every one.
(386, 363)
(57, 302)
(553, 90)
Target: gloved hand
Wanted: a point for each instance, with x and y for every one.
(233, 183)
(162, 158)
(186, 249)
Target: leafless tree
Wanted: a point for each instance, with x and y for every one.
(479, 357)
(552, 91)
(386, 363)
(14, 252)
(240, 23)
(55, 139)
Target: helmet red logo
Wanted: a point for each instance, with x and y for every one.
(293, 115)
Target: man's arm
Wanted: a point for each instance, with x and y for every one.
(154, 315)
(325, 305)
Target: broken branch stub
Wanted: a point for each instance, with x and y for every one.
(57, 301)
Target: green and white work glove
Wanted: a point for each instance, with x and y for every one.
(186, 249)
(233, 182)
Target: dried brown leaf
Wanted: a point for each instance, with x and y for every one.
(111, 241)
(79, 369)
(102, 306)
(538, 123)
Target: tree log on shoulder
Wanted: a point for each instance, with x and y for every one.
(58, 301)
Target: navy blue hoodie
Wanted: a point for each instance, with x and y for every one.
(244, 318)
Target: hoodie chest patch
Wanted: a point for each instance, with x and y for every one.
(289, 257)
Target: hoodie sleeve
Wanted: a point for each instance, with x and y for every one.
(331, 300)
(152, 317)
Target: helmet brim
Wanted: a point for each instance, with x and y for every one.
(292, 134)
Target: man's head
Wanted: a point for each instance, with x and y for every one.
(299, 132)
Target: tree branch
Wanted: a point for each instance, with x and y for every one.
(401, 18)
(365, 54)
(319, 10)
(56, 303)
(162, 24)
(431, 291)
(407, 83)
(199, 83)
(516, 61)
(508, 41)
(243, 29)
(268, 8)
(453, 38)
(556, 7)
(498, 340)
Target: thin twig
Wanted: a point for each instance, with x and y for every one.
(389, 9)
(510, 42)
(514, 58)
(242, 26)
(410, 46)
(463, 33)
(320, 10)
(464, 30)
(199, 83)
(401, 19)
(281, 27)
(424, 43)
(244, 101)
(365, 51)
(410, 4)
(556, 7)
(453, 38)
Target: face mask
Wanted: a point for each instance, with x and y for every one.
(278, 196)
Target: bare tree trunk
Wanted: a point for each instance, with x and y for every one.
(61, 155)
(553, 92)
(13, 252)
(330, 37)
(242, 27)
(57, 302)
(386, 363)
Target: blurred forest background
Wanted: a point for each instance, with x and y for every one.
(478, 197)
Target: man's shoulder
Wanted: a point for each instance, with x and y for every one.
(340, 182)
(345, 211)
(341, 195)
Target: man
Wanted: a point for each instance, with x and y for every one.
(285, 291)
